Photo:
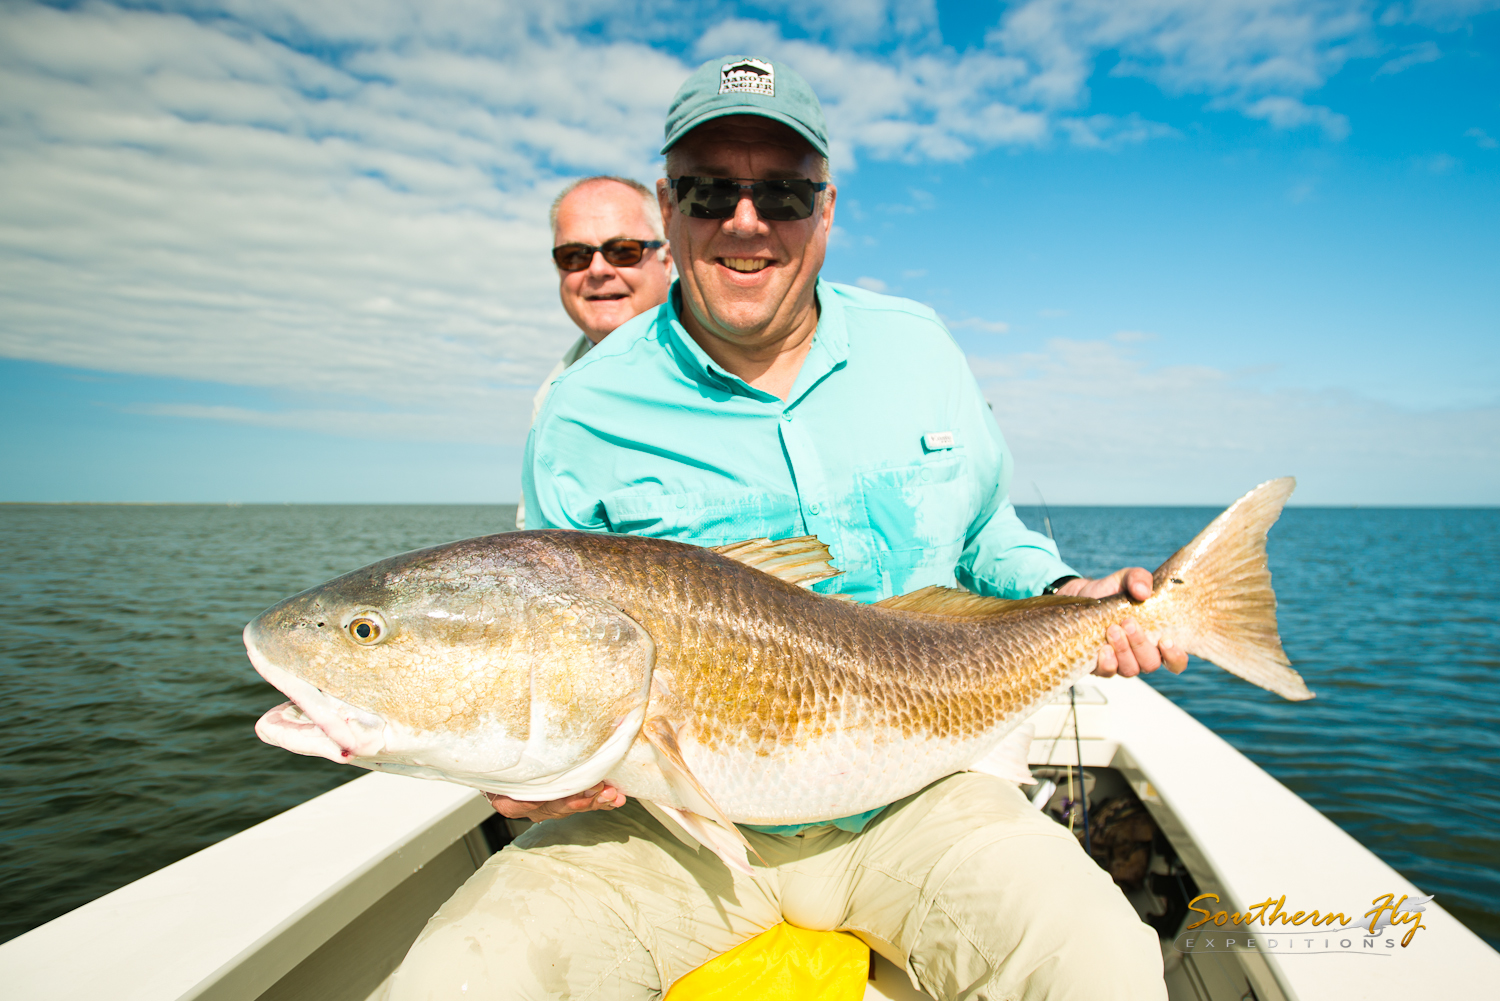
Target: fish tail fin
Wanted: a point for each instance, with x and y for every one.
(1224, 588)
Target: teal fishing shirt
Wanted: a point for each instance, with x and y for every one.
(884, 449)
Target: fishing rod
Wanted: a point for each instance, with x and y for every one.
(1083, 789)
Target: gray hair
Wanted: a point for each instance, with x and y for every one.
(649, 204)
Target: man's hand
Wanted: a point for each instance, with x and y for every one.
(601, 797)
(1129, 651)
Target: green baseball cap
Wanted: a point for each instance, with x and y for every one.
(745, 85)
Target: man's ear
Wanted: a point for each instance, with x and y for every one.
(830, 195)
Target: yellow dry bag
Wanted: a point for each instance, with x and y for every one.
(782, 963)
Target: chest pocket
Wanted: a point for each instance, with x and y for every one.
(704, 518)
(919, 516)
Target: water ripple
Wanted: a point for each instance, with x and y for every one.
(129, 703)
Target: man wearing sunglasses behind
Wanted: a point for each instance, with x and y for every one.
(761, 401)
(612, 258)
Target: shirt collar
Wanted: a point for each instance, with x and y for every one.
(830, 348)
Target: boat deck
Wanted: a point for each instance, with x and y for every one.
(322, 901)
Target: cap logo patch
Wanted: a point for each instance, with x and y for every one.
(748, 76)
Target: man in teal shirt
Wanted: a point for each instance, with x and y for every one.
(883, 448)
(760, 401)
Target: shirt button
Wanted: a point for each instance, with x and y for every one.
(786, 417)
(814, 508)
(681, 503)
(926, 475)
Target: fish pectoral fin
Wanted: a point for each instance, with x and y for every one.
(800, 561)
(672, 819)
(1007, 759)
(695, 831)
(957, 603)
(700, 816)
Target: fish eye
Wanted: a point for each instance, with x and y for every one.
(366, 629)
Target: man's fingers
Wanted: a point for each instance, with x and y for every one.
(1119, 643)
(600, 797)
(1108, 666)
(514, 809)
(1174, 657)
(1147, 658)
(609, 798)
(1134, 582)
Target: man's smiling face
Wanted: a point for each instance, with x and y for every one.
(745, 280)
(602, 296)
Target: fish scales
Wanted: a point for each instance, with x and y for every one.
(536, 664)
(799, 665)
(757, 667)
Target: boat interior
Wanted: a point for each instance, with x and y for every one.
(321, 902)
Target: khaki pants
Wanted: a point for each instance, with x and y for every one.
(964, 885)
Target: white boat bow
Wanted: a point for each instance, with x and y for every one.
(322, 901)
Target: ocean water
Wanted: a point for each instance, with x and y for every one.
(127, 703)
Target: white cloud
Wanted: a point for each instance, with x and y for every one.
(905, 99)
(347, 198)
(484, 426)
(1481, 138)
(1133, 431)
(1445, 15)
(898, 104)
(873, 284)
(1239, 52)
(1110, 131)
(195, 199)
(1416, 55)
(1302, 191)
(1437, 163)
(975, 323)
(1288, 113)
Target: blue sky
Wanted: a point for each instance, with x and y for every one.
(280, 251)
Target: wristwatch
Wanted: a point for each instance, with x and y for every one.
(1052, 587)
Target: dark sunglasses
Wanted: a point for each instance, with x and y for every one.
(716, 197)
(619, 252)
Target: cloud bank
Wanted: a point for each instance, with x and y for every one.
(1090, 423)
(340, 200)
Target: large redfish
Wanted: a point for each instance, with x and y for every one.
(708, 683)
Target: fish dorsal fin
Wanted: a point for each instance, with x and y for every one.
(957, 603)
(797, 561)
(699, 815)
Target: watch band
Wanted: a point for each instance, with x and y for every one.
(1052, 587)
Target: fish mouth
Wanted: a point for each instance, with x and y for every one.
(313, 722)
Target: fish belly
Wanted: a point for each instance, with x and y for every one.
(823, 778)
